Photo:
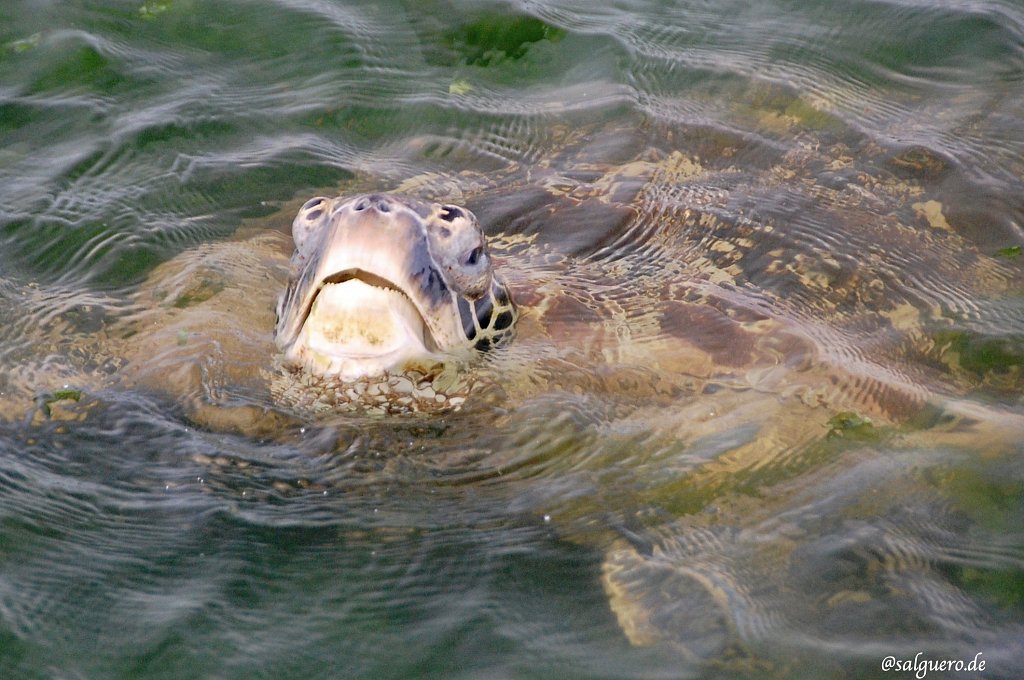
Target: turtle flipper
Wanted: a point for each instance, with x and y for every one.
(657, 602)
(682, 590)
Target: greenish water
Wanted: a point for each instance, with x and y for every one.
(802, 504)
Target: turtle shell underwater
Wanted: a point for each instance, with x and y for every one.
(389, 304)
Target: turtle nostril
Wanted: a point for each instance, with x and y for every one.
(383, 206)
(361, 205)
(450, 213)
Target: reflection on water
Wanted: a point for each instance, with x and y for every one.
(762, 416)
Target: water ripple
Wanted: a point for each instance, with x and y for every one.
(750, 243)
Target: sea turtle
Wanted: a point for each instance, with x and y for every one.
(384, 298)
(665, 294)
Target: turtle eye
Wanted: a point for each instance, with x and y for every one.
(474, 257)
(307, 222)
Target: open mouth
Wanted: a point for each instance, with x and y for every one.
(358, 321)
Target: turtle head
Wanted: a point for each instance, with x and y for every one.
(380, 281)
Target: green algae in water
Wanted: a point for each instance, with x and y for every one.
(460, 86)
(980, 355)
(65, 394)
(993, 503)
(50, 247)
(24, 44)
(1003, 588)
(851, 425)
(82, 67)
(154, 8)
(495, 38)
(772, 99)
(201, 291)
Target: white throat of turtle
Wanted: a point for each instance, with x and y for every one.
(360, 325)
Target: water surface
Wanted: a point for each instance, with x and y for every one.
(763, 417)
